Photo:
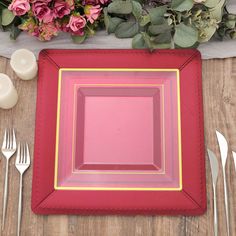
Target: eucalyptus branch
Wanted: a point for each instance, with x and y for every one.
(169, 24)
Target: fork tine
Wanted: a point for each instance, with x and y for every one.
(25, 157)
(14, 139)
(22, 153)
(8, 139)
(27, 154)
(11, 138)
(4, 143)
(18, 154)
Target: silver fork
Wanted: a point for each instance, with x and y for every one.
(8, 150)
(22, 164)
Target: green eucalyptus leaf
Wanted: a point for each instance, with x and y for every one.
(111, 22)
(157, 14)
(181, 5)
(211, 3)
(144, 20)
(138, 41)
(148, 41)
(140, 1)
(185, 36)
(158, 29)
(193, 46)
(120, 7)
(230, 24)
(217, 11)
(7, 17)
(79, 39)
(137, 10)
(155, 42)
(127, 29)
(233, 35)
(207, 34)
(231, 17)
(163, 38)
(161, 45)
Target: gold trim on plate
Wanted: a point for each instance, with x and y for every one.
(117, 188)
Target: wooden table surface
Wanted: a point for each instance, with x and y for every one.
(219, 90)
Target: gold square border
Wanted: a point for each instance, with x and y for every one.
(117, 172)
(56, 187)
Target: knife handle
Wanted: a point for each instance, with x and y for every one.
(226, 202)
(215, 212)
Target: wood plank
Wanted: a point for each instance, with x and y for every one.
(219, 90)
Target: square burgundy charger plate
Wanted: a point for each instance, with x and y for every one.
(119, 131)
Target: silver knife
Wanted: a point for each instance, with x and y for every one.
(224, 154)
(214, 174)
(234, 156)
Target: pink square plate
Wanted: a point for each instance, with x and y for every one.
(124, 134)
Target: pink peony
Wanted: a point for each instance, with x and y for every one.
(42, 12)
(71, 3)
(47, 31)
(43, 31)
(19, 7)
(92, 12)
(61, 9)
(76, 25)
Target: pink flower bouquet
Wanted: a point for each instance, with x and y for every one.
(44, 19)
(153, 24)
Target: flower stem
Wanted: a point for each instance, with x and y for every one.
(3, 4)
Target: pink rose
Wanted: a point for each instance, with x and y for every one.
(42, 12)
(76, 25)
(104, 1)
(95, 2)
(19, 7)
(92, 12)
(45, 1)
(61, 8)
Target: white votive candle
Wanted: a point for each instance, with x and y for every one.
(8, 94)
(24, 63)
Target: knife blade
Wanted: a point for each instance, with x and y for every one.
(214, 166)
(224, 154)
(234, 157)
(214, 173)
(223, 147)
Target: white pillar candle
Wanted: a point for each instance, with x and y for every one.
(8, 94)
(24, 63)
